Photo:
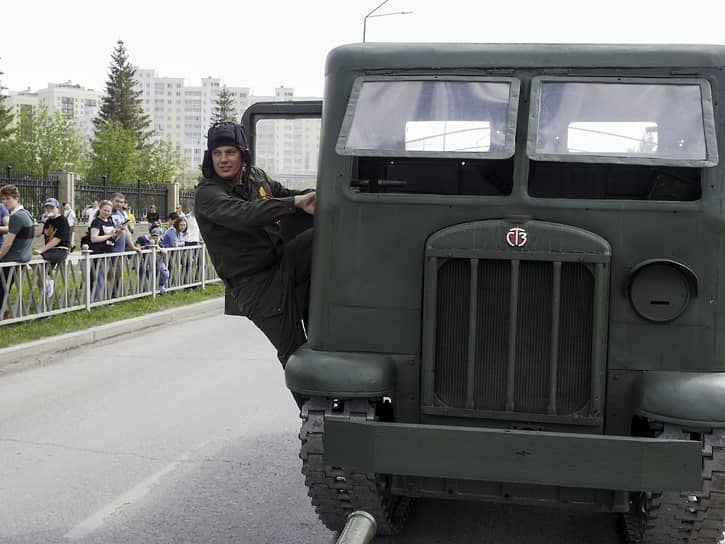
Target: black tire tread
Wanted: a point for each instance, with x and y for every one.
(689, 517)
(336, 492)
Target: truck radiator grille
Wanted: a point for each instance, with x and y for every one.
(514, 335)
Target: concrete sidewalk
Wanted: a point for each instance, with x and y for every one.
(42, 351)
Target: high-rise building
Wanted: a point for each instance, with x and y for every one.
(182, 115)
(72, 101)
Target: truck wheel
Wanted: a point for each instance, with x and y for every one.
(671, 517)
(336, 491)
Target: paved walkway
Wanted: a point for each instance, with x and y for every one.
(41, 351)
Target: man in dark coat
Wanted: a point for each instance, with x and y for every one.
(239, 209)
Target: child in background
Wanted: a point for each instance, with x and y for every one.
(162, 271)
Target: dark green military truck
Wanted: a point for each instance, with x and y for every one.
(516, 291)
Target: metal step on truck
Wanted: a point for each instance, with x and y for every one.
(516, 283)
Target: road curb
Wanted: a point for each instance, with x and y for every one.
(41, 351)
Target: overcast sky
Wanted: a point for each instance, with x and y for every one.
(263, 44)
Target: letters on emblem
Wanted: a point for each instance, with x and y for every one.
(516, 236)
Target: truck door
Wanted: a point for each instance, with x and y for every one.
(284, 141)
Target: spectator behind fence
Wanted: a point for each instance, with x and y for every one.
(192, 236)
(174, 235)
(173, 216)
(103, 234)
(4, 220)
(102, 230)
(129, 215)
(153, 216)
(18, 243)
(70, 215)
(120, 221)
(162, 271)
(90, 211)
(56, 233)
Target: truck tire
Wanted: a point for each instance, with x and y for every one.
(672, 517)
(336, 492)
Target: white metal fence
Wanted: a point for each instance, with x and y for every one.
(84, 280)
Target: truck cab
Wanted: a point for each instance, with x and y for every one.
(516, 284)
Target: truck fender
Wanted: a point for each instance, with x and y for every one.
(686, 398)
(340, 374)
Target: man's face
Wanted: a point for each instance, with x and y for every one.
(227, 161)
(51, 211)
(10, 203)
(117, 202)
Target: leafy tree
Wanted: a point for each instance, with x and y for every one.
(6, 115)
(114, 153)
(42, 143)
(161, 163)
(224, 108)
(122, 103)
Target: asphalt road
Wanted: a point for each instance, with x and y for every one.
(186, 434)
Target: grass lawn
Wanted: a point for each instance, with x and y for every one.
(81, 319)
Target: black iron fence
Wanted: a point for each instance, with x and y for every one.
(139, 198)
(34, 190)
(186, 199)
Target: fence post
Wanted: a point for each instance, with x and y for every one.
(203, 264)
(172, 197)
(10, 171)
(105, 187)
(139, 213)
(154, 272)
(66, 188)
(86, 258)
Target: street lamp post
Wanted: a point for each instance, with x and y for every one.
(370, 15)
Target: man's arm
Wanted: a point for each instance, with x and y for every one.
(7, 244)
(4, 229)
(235, 213)
(279, 190)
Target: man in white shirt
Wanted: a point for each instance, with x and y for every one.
(90, 211)
(192, 235)
(69, 214)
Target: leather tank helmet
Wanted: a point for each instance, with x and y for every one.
(226, 133)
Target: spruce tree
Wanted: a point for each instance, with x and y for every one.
(122, 104)
(224, 108)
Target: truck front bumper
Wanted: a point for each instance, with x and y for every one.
(527, 457)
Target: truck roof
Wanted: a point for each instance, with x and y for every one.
(363, 57)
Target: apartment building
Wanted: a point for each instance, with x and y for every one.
(182, 114)
(73, 101)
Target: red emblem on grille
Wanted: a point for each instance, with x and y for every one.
(516, 236)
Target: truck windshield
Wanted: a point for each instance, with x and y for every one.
(430, 118)
(634, 121)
